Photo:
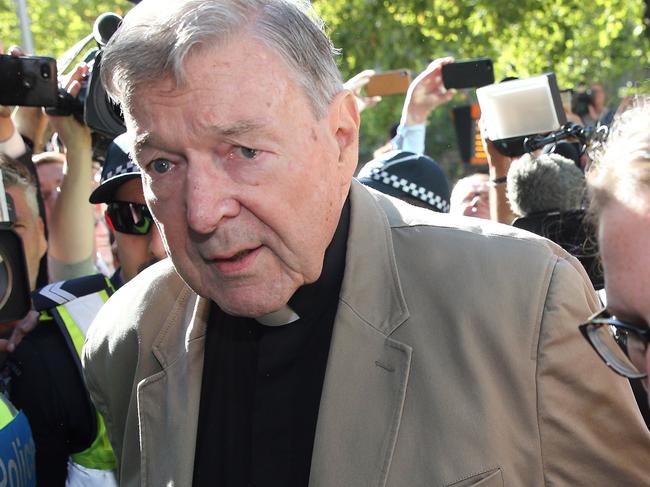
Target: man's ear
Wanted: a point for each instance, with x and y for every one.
(344, 122)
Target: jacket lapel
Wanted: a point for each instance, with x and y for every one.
(168, 402)
(367, 371)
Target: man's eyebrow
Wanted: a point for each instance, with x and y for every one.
(141, 140)
(238, 128)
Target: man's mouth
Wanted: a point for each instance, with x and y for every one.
(236, 262)
(239, 255)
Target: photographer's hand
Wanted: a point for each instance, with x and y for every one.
(498, 166)
(18, 330)
(6, 123)
(356, 84)
(425, 93)
(71, 236)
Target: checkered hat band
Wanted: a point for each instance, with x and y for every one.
(126, 168)
(411, 189)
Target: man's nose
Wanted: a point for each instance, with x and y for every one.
(210, 195)
(156, 247)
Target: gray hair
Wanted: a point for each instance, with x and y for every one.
(622, 168)
(16, 175)
(156, 37)
(544, 183)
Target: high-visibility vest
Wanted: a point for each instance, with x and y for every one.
(17, 450)
(73, 305)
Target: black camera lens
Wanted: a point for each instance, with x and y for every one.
(46, 71)
(5, 280)
(14, 278)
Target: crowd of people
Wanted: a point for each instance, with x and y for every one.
(226, 296)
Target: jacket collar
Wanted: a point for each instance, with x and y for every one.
(371, 285)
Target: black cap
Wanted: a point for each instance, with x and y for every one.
(118, 169)
(402, 173)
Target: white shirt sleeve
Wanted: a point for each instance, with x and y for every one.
(410, 138)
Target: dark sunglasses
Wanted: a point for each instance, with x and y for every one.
(131, 218)
(620, 344)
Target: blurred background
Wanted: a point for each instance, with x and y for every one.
(605, 41)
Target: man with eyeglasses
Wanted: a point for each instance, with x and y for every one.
(619, 185)
(71, 444)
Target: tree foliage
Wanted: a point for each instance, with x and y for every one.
(602, 40)
(56, 24)
(605, 40)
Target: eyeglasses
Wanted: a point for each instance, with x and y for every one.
(620, 344)
(131, 218)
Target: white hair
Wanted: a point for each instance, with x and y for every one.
(16, 175)
(622, 168)
(156, 37)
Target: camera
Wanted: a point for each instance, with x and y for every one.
(580, 102)
(92, 106)
(14, 278)
(518, 109)
(32, 81)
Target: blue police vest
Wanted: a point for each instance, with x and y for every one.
(17, 450)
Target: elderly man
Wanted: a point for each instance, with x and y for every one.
(619, 185)
(307, 330)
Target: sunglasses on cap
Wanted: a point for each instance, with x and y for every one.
(131, 218)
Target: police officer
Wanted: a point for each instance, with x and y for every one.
(16, 447)
(72, 446)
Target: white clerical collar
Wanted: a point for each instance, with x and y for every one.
(283, 316)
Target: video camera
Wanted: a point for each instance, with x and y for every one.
(525, 115)
(580, 101)
(32, 81)
(14, 278)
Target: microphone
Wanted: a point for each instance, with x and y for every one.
(105, 26)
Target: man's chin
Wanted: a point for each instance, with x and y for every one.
(248, 305)
(248, 309)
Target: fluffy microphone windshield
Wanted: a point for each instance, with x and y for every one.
(548, 182)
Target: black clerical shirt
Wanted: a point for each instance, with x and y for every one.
(262, 386)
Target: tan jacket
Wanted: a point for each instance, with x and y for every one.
(455, 361)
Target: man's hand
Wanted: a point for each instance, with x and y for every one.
(75, 135)
(356, 84)
(18, 330)
(498, 166)
(6, 124)
(425, 93)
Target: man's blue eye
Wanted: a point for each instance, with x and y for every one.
(161, 166)
(248, 153)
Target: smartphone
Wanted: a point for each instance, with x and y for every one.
(28, 81)
(468, 74)
(389, 83)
